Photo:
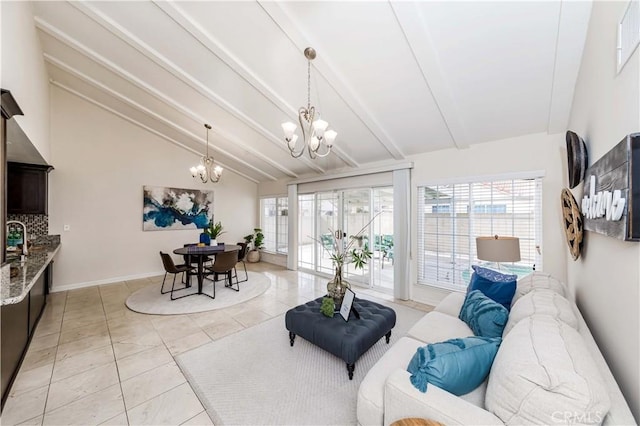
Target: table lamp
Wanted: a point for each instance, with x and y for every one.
(498, 249)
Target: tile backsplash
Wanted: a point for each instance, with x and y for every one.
(37, 224)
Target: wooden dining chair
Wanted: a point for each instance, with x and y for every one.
(224, 265)
(171, 268)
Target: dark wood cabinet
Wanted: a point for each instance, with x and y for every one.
(15, 335)
(17, 325)
(36, 301)
(27, 188)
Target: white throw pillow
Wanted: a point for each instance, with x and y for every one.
(536, 280)
(544, 374)
(541, 301)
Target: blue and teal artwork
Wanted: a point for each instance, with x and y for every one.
(176, 208)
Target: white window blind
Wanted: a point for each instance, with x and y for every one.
(274, 217)
(451, 216)
(628, 33)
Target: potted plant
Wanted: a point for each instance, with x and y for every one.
(257, 238)
(341, 253)
(213, 231)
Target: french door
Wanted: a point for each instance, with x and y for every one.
(323, 216)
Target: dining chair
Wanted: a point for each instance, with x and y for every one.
(171, 268)
(242, 254)
(225, 263)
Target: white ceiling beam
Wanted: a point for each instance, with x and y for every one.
(182, 18)
(161, 96)
(141, 125)
(330, 73)
(573, 23)
(124, 99)
(117, 30)
(409, 17)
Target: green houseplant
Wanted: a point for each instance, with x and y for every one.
(214, 230)
(257, 238)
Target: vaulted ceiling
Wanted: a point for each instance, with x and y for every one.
(392, 78)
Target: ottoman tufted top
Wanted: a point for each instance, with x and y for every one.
(347, 340)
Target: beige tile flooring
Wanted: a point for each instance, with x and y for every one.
(92, 361)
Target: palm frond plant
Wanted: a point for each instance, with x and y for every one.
(353, 252)
(214, 230)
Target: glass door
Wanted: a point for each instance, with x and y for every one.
(382, 237)
(327, 223)
(356, 214)
(325, 215)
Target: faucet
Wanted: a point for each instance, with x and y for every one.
(25, 251)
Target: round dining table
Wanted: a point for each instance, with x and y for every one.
(201, 254)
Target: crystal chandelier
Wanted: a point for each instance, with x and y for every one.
(314, 131)
(207, 171)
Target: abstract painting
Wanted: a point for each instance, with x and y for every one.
(176, 208)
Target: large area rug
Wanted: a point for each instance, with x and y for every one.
(254, 377)
(148, 300)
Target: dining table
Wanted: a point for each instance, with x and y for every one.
(201, 253)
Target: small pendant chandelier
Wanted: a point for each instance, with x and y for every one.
(315, 135)
(207, 171)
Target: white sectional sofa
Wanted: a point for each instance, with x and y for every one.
(548, 369)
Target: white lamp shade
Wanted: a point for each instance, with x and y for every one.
(314, 143)
(194, 171)
(319, 126)
(498, 249)
(292, 142)
(329, 137)
(288, 128)
(218, 171)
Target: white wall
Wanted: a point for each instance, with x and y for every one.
(606, 278)
(24, 72)
(521, 154)
(276, 188)
(101, 164)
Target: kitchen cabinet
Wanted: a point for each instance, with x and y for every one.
(14, 339)
(36, 301)
(27, 188)
(17, 325)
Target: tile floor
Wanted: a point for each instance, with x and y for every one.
(92, 361)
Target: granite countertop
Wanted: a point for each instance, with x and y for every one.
(14, 290)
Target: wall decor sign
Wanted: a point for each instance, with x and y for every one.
(175, 208)
(611, 200)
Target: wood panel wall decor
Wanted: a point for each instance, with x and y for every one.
(617, 170)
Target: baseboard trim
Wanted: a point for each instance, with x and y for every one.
(113, 280)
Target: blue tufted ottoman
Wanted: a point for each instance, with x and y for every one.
(347, 340)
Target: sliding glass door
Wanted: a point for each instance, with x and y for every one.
(383, 242)
(325, 215)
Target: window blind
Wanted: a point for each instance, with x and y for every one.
(451, 216)
(274, 217)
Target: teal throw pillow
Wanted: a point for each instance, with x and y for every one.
(484, 316)
(495, 285)
(457, 365)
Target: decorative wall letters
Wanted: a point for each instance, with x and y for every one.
(609, 205)
(611, 202)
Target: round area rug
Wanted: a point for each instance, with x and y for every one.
(148, 300)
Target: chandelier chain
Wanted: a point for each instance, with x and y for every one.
(308, 84)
